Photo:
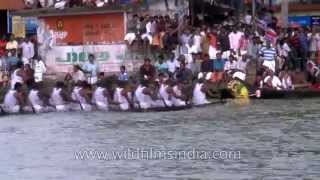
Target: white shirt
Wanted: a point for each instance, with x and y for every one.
(234, 39)
(172, 65)
(56, 98)
(27, 50)
(248, 19)
(92, 69)
(199, 97)
(148, 27)
(276, 82)
(230, 65)
(242, 65)
(39, 70)
(78, 76)
(12, 45)
(10, 100)
(35, 99)
(284, 50)
(197, 41)
(287, 82)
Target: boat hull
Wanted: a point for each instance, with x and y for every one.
(293, 94)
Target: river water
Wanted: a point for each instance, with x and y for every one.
(278, 140)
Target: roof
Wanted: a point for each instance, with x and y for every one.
(43, 12)
(11, 4)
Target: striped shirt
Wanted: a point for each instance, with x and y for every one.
(268, 54)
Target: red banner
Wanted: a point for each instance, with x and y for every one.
(87, 29)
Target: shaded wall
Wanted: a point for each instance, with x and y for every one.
(3, 22)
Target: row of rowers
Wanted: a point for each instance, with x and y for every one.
(126, 96)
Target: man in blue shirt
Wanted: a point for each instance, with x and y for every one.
(12, 59)
(123, 74)
(218, 64)
(218, 68)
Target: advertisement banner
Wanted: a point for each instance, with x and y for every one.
(109, 57)
(18, 27)
(31, 24)
(300, 20)
(87, 29)
(315, 20)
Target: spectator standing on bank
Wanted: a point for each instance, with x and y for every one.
(39, 70)
(27, 49)
(268, 55)
(91, 68)
(12, 44)
(12, 59)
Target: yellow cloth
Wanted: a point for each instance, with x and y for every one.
(244, 93)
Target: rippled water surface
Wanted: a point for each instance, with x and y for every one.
(278, 140)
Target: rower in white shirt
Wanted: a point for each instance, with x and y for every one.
(199, 94)
(145, 96)
(84, 97)
(123, 96)
(13, 100)
(101, 97)
(178, 98)
(60, 100)
(37, 100)
(272, 81)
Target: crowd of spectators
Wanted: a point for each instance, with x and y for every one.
(287, 55)
(242, 47)
(16, 53)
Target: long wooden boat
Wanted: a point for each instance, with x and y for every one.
(172, 109)
(288, 94)
(164, 109)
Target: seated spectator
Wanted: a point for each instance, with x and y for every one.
(161, 66)
(231, 65)
(218, 64)
(172, 64)
(271, 81)
(243, 63)
(12, 59)
(218, 68)
(195, 64)
(184, 74)
(129, 38)
(147, 70)
(286, 79)
(207, 64)
(123, 76)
